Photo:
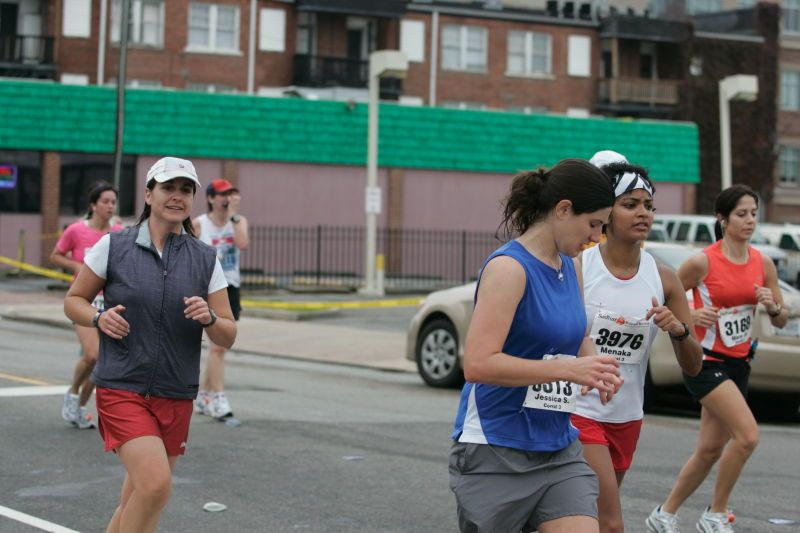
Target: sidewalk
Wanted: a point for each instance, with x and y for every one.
(384, 350)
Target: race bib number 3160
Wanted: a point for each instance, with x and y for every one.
(735, 323)
(558, 396)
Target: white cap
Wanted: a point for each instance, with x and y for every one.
(606, 157)
(169, 168)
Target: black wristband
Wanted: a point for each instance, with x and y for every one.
(777, 312)
(96, 319)
(213, 319)
(682, 335)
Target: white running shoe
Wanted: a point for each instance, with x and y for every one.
(85, 419)
(70, 409)
(220, 408)
(714, 522)
(201, 403)
(661, 522)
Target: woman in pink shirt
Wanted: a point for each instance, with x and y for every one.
(68, 254)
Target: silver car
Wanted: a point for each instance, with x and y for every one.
(437, 331)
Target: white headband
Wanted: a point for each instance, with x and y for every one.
(631, 181)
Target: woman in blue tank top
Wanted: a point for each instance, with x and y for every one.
(516, 464)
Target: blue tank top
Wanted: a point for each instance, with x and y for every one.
(550, 319)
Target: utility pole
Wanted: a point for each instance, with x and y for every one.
(121, 80)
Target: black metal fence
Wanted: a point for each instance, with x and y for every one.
(333, 256)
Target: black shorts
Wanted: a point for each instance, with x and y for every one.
(236, 301)
(715, 372)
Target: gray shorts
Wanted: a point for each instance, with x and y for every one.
(506, 490)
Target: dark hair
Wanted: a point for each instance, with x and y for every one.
(726, 202)
(97, 190)
(615, 170)
(187, 222)
(534, 193)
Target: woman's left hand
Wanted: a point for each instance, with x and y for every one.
(765, 298)
(664, 319)
(197, 309)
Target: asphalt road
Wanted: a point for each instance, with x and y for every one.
(322, 448)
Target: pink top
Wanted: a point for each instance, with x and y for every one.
(79, 237)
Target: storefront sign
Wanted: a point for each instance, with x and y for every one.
(8, 176)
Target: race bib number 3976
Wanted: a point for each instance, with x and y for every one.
(625, 339)
(558, 396)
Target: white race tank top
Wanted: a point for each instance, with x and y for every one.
(221, 238)
(615, 311)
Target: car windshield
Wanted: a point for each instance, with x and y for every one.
(674, 258)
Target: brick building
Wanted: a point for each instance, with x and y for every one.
(518, 56)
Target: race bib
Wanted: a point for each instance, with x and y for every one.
(735, 324)
(625, 339)
(558, 396)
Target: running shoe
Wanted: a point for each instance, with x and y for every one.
(201, 403)
(714, 522)
(85, 420)
(220, 408)
(70, 409)
(661, 522)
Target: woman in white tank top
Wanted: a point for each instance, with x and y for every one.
(628, 297)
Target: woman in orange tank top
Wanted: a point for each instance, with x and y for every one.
(728, 281)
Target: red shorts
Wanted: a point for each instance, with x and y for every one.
(621, 438)
(124, 415)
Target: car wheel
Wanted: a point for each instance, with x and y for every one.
(437, 354)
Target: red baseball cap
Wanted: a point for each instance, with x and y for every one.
(220, 186)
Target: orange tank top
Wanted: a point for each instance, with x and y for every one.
(729, 287)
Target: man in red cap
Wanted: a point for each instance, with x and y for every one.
(224, 228)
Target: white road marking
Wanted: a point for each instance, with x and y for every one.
(16, 392)
(44, 525)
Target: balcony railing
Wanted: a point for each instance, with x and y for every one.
(321, 71)
(26, 50)
(639, 91)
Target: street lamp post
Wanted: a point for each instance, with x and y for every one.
(382, 64)
(739, 87)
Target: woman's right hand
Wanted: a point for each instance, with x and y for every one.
(599, 372)
(112, 324)
(705, 317)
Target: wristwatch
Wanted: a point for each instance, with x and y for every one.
(777, 311)
(96, 320)
(682, 335)
(213, 319)
(236, 218)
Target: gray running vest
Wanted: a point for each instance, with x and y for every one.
(161, 354)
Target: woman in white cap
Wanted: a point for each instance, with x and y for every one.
(162, 288)
(628, 297)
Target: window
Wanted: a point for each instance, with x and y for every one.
(305, 33)
(412, 39)
(272, 37)
(579, 52)
(213, 28)
(145, 23)
(77, 18)
(790, 90)
(22, 195)
(788, 163)
(80, 171)
(695, 7)
(210, 88)
(529, 52)
(788, 243)
(683, 231)
(704, 234)
(464, 48)
(791, 15)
